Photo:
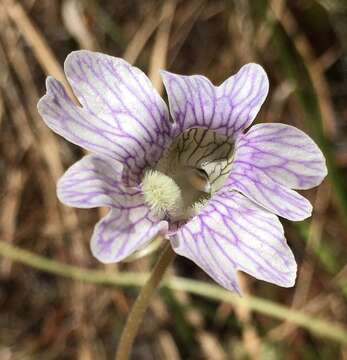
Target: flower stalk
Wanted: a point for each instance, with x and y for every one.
(139, 308)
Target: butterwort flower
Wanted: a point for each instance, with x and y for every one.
(213, 188)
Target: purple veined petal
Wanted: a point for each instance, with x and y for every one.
(228, 109)
(130, 225)
(284, 153)
(72, 122)
(233, 233)
(122, 115)
(273, 196)
(96, 181)
(270, 160)
(123, 231)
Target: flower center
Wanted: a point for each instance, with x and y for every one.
(192, 168)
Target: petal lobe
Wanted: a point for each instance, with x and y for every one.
(232, 233)
(228, 108)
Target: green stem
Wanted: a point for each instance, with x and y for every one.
(327, 329)
(138, 310)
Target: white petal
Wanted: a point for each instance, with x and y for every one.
(270, 160)
(130, 225)
(227, 109)
(274, 197)
(286, 154)
(95, 181)
(232, 233)
(122, 116)
(124, 231)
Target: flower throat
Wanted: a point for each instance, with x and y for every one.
(191, 170)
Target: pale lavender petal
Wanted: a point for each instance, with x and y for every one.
(269, 160)
(125, 230)
(233, 233)
(74, 123)
(95, 181)
(274, 197)
(130, 225)
(284, 153)
(228, 109)
(122, 116)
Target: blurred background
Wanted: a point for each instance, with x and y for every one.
(45, 315)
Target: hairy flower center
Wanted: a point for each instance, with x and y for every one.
(193, 167)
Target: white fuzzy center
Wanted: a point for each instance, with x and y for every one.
(191, 170)
(161, 193)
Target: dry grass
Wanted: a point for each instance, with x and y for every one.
(48, 317)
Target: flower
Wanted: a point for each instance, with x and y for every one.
(213, 188)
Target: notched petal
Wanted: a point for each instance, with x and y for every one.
(130, 224)
(242, 95)
(228, 109)
(286, 154)
(92, 182)
(234, 234)
(274, 197)
(74, 123)
(122, 115)
(271, 160)
(124, 231)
